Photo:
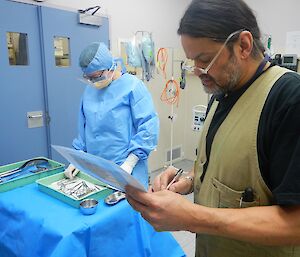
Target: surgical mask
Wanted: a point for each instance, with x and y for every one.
(101, 81)
(104, 81)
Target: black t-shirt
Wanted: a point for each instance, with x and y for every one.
(278, 139)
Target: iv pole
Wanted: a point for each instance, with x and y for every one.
(171, 117)
(171, 91)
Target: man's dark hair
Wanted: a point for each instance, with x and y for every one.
(217, 19)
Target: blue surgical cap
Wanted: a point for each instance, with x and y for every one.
(95, 57)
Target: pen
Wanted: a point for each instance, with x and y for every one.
(175, 179)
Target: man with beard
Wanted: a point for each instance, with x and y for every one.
(246, 176)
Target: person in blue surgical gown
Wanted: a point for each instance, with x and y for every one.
(117, 119)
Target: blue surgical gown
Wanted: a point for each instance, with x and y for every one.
(118, 120)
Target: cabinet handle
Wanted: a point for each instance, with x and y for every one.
(35, 116)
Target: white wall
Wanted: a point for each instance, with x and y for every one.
(276, 17)
(127, 17)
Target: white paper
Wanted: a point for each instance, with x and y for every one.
(292, 45)
(106, 171)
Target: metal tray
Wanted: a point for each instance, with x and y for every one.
(29, 178)
(48, 186)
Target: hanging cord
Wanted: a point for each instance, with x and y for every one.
(97, 7)
(162, 59)
(170, 94)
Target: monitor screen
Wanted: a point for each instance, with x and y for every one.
(288, 59)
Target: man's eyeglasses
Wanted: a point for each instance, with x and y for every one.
(190, 68)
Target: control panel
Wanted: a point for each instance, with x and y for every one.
(199, 113)
(289, 61)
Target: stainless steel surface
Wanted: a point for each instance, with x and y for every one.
(88, 206)
(35, 116)
(86, 18)
(114, 198)
(35, 119)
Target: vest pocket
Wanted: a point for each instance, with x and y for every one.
(226, 197)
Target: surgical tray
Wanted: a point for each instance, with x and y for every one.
(28, 178)
(46, 185)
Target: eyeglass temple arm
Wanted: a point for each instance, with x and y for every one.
(223, 46)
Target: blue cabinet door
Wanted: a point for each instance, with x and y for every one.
(21, 86)
(63, 88)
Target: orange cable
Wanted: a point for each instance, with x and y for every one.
(169, 97)
(162, 59)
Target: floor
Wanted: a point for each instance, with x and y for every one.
(184, 238)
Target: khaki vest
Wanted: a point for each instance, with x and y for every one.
(233, 166)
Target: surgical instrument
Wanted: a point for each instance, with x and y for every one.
(33, 166)
(115, 198)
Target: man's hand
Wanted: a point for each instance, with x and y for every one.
(165, 210)
(183, 186)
